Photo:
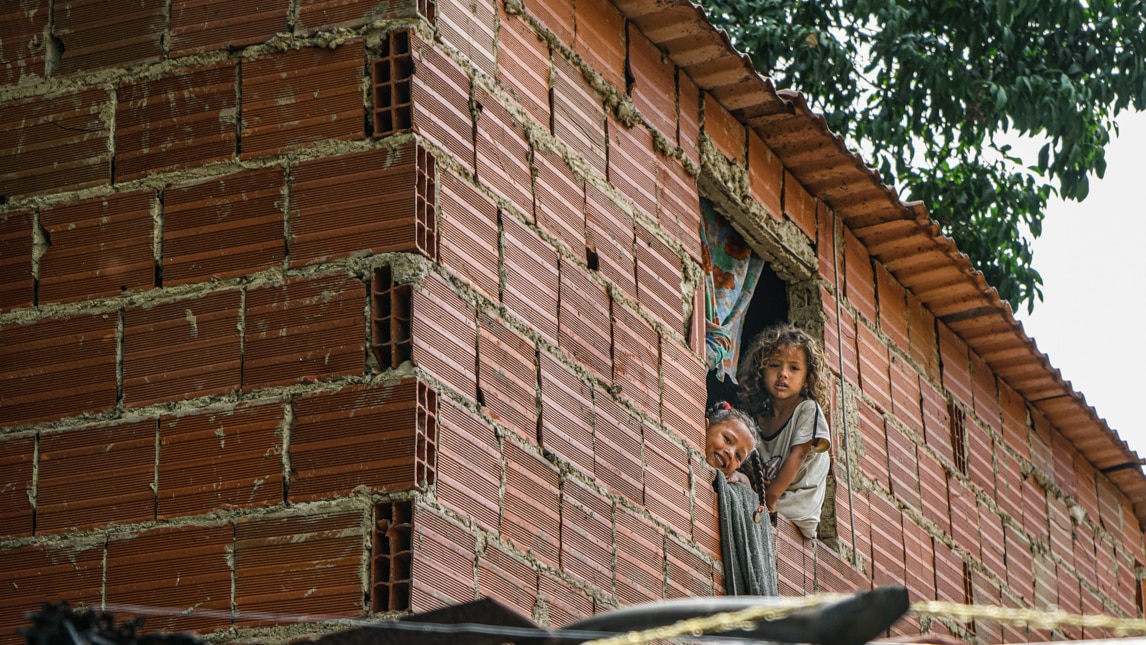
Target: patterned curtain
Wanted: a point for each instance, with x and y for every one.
(732, 270)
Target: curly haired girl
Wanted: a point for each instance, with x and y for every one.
(783, 386)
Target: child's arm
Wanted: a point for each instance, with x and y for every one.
(785, 475)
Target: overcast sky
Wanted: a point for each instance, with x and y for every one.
(1090, 255)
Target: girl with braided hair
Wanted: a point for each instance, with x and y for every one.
(730, 446)
(783, 387)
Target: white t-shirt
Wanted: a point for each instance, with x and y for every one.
(803, 500)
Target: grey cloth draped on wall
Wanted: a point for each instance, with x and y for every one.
(748, 548)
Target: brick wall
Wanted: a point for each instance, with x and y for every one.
(370, 308)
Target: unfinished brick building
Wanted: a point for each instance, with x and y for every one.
(342, 308)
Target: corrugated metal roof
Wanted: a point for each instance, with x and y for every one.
(900, 235)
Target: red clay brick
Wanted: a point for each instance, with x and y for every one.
(531, 512)
(887, 542)
(36, 574)
(985, 393)
(503, 156)
(727, 133)
(902, 460)
(587, 536)
(583, 321)
(560, 202)
(1009, 486)
(15, 260)
(181, 567)
(956, 366)
(980, 450)
(506, 578)
(566, 414)
(78, 487)
(986, 592)
(21, 31)
(678, 204)
(611, 236)
(992, 547)
(873, 462)
(380, 201)
(653, 75)
(182, 349)
(632, 166)
(323, 101)
(936, 422)
(618, 439)
(507, 376)
(318, 15)
(1017, 551)
(298, 564)
(892, 308)
(180, 121)
(919, 560)
(964, 517)
(860, 278)
(834, 574)
(636, 360)
(443, 568)
(578, 116)
(659, 278)
(767, 184)
(36, 133)
(470, 27)
(377, 438)
(1034, 508)
(600, 39)
(523, 66)
(1064, 453)
(794, 572)
(556, 16)
(905, 393)
(933, 491)
(839, 333)
(246, 205)
(36, 358)
(470, 466)
(666, 481)
(1085, 488)
(563, 602)
(201, 25)
(469, 234)
(922, 339)
(689, 575)
(215, 460)
(640, 559)
(17, 454)
(100, 247)
(799, 205)
(444, 331)
(688, 117)
(874, 368)
(948, 574)
(532, 283)
(304, 330)
(828, 247)
(682, 398)
(1014, 410)
(98, 34)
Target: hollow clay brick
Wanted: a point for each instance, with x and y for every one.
(17, 453)
(248, 205)
(892, 308)
(16, 265)
(471, 28)
(198, 26)
(523, 66)
(21, 33)
(95, 35)
(587, 536)
(985, 392)
(600, 39)
(503, 155)
(922, 340)
(531, 510)
(688, 117)
(506, 578)
(632, 165)
(956, 366)
(874, 367)
(532, 283)
(555, 15)
(727, 134)
(470, 466)
(227, 459)
(468, 233)
(100, 247)
(444, 555)
(578, 114)
(860, 278)
(35, 574)
(653, 74)
(566, 414)
(507, 376)
(768, 184)
(298, 564)
(177, 566)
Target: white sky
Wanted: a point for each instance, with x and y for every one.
(1090, 322)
